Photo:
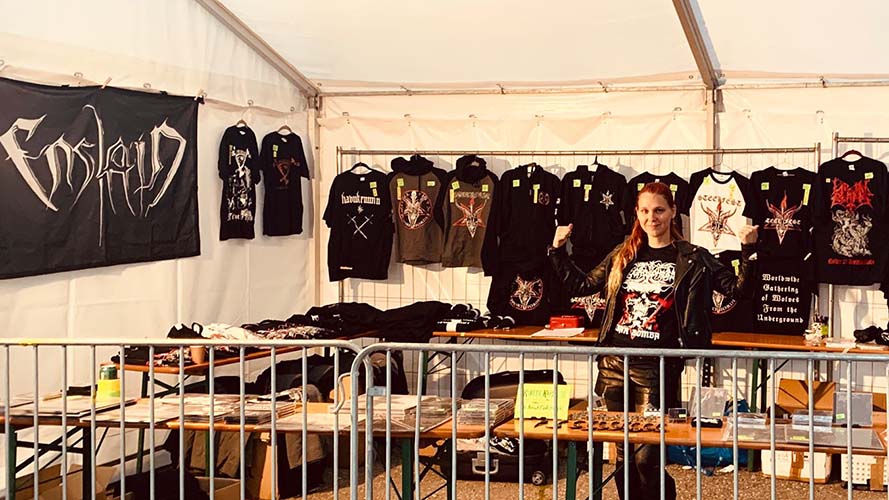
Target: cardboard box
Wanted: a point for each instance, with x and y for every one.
(225, 489)
(794, 465)
(794, 395)
(50, 482)
(259, 472)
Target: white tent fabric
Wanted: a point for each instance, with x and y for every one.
(794, 38)
(171, 45)
(465, 41)
(358, 45)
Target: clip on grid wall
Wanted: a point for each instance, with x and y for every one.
(408, 283)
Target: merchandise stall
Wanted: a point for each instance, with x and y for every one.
(216, 170)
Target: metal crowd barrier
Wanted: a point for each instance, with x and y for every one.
(694, 357)
(413, 466)
(68, 426)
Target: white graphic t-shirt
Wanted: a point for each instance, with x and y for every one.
(644, 315)
(719, 206)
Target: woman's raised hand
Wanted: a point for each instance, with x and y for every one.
(561, 236)
(747, 234)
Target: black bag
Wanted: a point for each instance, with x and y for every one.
(504, 452)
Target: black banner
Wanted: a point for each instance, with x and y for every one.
(94, 177)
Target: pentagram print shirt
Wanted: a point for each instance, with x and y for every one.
(719, 205)
(359, 215)
(783, 201)
(470, 218)
(416, 187)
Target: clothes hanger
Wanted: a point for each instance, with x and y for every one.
(361, 164)
(240, 123)
(851, 152)
(286, 128)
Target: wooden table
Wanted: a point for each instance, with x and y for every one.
(678, 434)
(442, 431)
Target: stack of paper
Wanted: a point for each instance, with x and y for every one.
(473, 411)
(74, 406)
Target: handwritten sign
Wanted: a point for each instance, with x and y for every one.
(538, 401)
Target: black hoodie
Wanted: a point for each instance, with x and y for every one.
(416, 187)
(470, 216)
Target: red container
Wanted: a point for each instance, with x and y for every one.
(565, 322)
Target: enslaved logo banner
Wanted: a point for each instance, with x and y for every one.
(94, 177)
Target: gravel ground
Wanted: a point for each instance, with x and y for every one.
(752, 486)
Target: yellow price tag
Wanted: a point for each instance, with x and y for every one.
(674, 188)
(453, 196)
(485, 188)
(455, 185)
(764, 186)
(586, 191)
(639, 186)
(430, 183)
(398, 192)
(806, 189)
(868, 175)
(736, 264)
(536, 188)
(516, 183)
(542, 401)
(373, 184)
(375, 192)
(576, 183)
(400, 182)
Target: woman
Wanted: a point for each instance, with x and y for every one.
(658, 294)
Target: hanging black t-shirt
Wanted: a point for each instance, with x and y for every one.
(850, 227)
(527, 197)
(523, 293)
(593, 201)
(783, 296)
(239, 170)
(731, 314)
(645, 314)
(783, 202)
(359, 215)
(678, 186)
(283, 163)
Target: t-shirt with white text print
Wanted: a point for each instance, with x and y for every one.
(644, 315)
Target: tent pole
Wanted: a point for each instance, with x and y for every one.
(697, 43)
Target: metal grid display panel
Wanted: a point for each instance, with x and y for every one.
(407, 283)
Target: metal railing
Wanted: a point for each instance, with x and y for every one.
(269, 353)
(381, 432)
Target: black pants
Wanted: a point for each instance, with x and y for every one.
(643, 462)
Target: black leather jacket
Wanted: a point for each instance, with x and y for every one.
(698, 274)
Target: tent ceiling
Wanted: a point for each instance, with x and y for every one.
(465, 44)
(415, 43)
(798, 37)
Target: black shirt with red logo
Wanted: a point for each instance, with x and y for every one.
(283, 163)
(850, 229)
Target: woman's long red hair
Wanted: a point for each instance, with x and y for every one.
(637, 237)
